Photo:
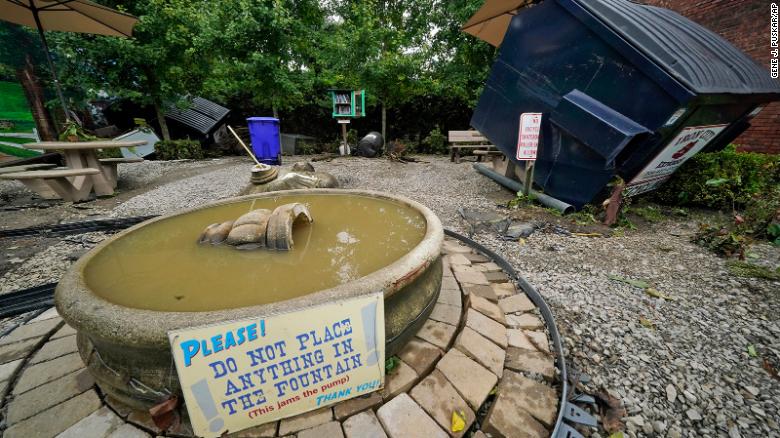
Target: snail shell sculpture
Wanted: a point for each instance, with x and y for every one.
(261, 228)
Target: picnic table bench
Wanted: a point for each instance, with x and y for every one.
(466, 140)
(84, 173)
(55, 183)
(25, 167)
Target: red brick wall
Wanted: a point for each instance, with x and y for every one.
(745, 23)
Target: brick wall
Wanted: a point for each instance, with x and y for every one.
(745, 23)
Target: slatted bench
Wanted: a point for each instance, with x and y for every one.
(58, 181)
(465, 140)
(109, 166)
(488, 153)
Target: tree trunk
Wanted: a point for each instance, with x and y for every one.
(384, 122)
(275, 111)
(161, 121)
(34, 94)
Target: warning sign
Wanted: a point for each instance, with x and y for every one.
(528, 136)
(245, 373)
(685, 145)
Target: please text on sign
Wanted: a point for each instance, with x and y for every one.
(245, 373)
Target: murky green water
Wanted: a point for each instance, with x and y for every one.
(161, 267)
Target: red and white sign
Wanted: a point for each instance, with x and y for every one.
(688, 142)
(528, 136)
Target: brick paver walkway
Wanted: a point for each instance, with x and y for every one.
(484, 346)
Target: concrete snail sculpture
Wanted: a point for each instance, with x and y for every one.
(261, 228)
(301, 176)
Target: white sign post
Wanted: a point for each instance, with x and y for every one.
(245, 373)
(527, 145)
(686, 144)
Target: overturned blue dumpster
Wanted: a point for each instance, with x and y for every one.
(625, 90)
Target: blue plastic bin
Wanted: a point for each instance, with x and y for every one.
(264, 135)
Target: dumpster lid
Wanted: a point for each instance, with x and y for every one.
(202, 115)
(692, 54)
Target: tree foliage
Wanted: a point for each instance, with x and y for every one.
(282, 55)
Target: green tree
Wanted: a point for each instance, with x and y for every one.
(265, 51)
(460, 62)
(162, 63)
(379, 45)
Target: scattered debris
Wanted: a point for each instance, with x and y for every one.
(646, 323)
(391, 363)
(403, 158)
(749, 270)
(480, 220)
(636, 283)
(325, 157)
(458, 421)
(519, 230)
(587, 234)
(770, 369)
(614, 203)
(165, 415)
(724, 242)
(656, 294)
(611, 411)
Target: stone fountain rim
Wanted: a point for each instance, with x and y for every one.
(87, 312)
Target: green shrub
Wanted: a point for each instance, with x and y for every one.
(178, 150)
(352, 137)
(306, 148)
(722, 180)
(73, 132)
(109, 153)
(435, 142)
(762, 215)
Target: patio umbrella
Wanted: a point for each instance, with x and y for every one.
(80, 16)
(492, 19)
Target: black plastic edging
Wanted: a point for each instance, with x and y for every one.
(75, 227)
(26, 300)
(544, 309)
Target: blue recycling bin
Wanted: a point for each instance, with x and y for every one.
(264, 136)
(624, 90)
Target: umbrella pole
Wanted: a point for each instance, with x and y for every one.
(51, 63)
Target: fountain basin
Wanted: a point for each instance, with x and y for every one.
(128, 292)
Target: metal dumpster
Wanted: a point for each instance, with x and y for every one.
(625, 90)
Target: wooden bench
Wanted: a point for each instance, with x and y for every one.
(109, 166)
(488, 153)
(58, 181)
(466, 140)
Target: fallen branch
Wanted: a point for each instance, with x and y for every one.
(392, 156)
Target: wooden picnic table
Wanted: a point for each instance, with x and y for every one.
(83, 155)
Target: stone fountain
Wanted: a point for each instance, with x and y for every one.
(168, 273)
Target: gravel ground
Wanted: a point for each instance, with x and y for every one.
(690, 373)
(49, 265)
(188, 192)
(681, 367)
